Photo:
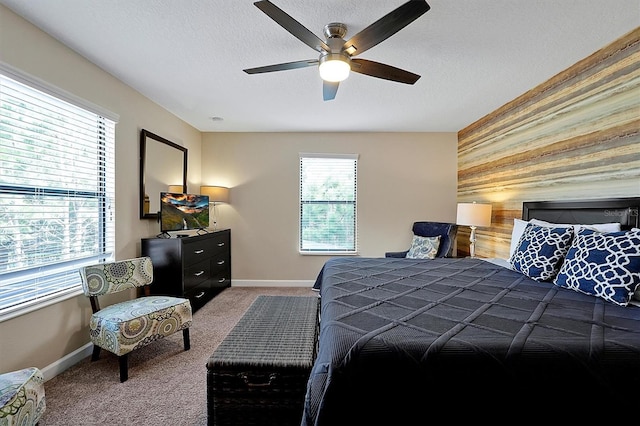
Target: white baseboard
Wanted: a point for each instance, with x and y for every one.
(69, 360)
(272, 283)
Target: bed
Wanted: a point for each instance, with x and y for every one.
(480, 341)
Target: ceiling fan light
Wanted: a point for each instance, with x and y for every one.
(334, 68)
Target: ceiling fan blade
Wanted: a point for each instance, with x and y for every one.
(329, 90)
(387, 72)
(387, 26)
(294, 27)
(282, 67)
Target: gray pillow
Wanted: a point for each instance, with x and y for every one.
(424, 247)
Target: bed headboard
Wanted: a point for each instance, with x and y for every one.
(606, 210)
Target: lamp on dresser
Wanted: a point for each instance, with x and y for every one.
(176, 189)
(473, 215)
(217, 195)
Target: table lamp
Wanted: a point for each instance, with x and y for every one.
(217, 195)
(473, 215)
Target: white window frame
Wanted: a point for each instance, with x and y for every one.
(309, 249)
(32, 284)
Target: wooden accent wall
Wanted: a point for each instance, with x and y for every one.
(575, 136)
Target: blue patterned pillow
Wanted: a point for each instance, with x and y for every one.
(606, 265)
(540, 251)
(423, 247)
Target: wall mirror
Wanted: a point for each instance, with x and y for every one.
(162, 163)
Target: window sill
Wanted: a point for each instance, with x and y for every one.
(328, 253)
(17, 311)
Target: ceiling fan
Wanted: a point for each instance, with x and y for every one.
(337, 55)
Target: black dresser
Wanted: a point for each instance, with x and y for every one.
(196, 267)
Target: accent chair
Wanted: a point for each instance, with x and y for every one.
(446, 231)
(22, 397)
(123, 327)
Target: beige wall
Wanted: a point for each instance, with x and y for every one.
(402, 177)
(46, 335)
(575, 136)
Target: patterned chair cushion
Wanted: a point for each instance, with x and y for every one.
(606, 265)
(423, 247)
(116, 276)
(125, 326)
(541, 251)
(22, 397)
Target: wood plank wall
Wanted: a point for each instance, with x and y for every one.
(575, 136)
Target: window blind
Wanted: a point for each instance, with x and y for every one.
(328, 195)
(57, 191)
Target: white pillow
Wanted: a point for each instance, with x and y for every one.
(516, 233)
(600, 227)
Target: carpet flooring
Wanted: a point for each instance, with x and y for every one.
(166, 386)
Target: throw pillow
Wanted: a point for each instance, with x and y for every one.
(519, 225)
(635, 299)
(606, 265)
(540, 251)
(516, 233)
(423, 247)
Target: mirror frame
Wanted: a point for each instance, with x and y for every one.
(146, 138)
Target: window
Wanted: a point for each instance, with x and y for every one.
(57, 192)
(328, 203)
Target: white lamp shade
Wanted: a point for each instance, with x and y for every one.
(176, 189)
(217, 194)
(474, 214)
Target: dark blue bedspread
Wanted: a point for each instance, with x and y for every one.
(463, 341)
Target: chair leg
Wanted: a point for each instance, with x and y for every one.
(96, 353)
(185, 337)
(124, 367)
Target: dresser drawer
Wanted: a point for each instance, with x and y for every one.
(196, 251)
(199, 295)
(221, 280)
(219, 262)
(220, 243)
(196, 274)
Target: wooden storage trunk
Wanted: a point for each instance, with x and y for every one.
(258, 374)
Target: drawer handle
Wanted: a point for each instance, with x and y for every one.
(221, 244)
(252, 383)
(221, 262)
(199, 295)
(221, 280)
(197, 274)
(199, 251)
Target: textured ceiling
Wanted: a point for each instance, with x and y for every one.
(473, 55)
